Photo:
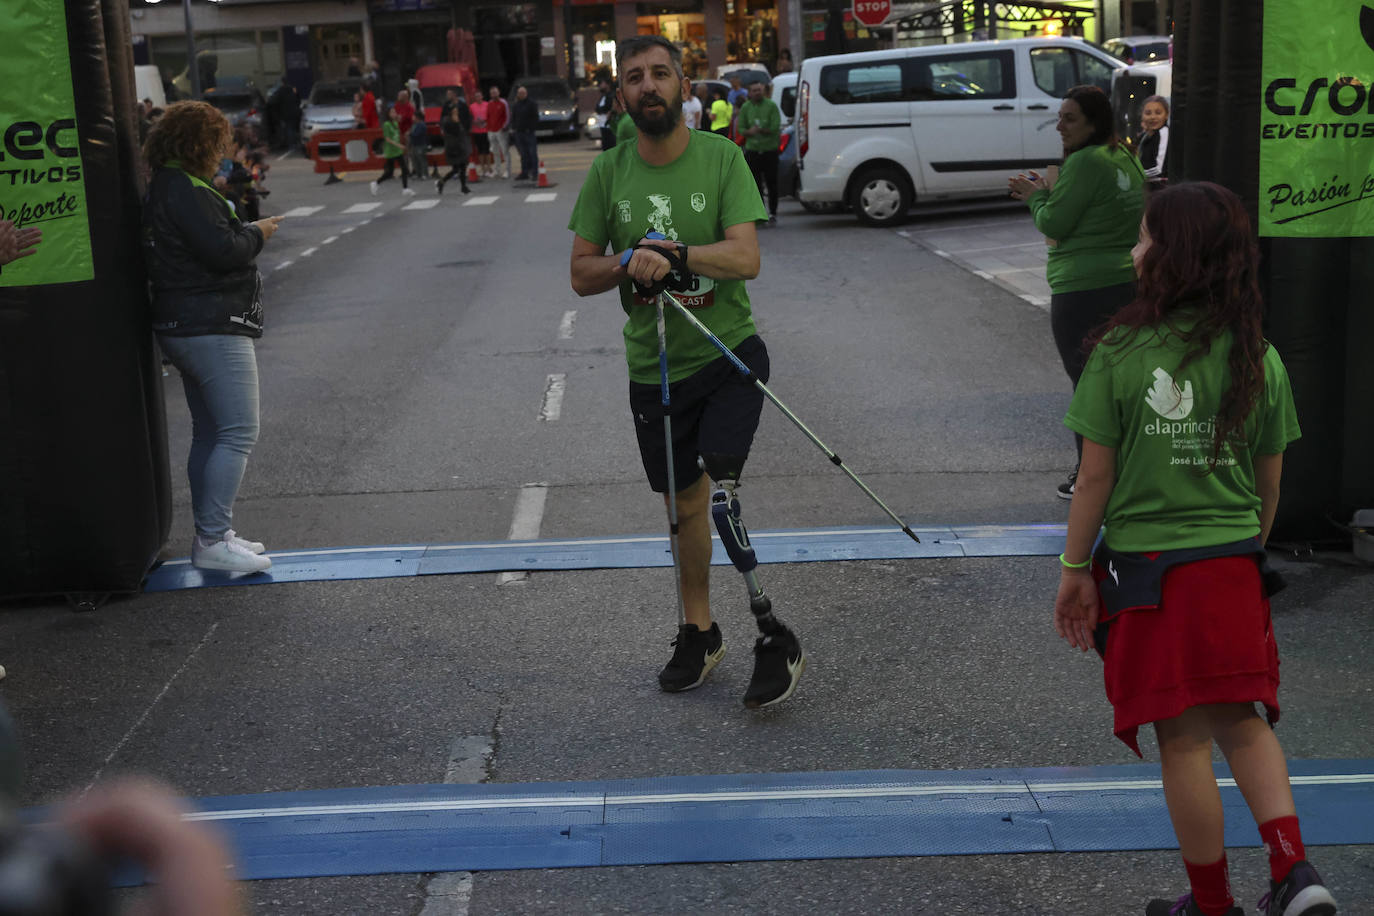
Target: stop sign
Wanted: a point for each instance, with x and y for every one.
(872, 12)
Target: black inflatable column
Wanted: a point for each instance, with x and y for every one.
(1317, 278)
(84, 488)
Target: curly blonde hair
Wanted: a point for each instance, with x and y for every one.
(192, 133)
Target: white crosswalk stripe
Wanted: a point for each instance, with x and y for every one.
(303, 211)
(542, 197)
(422, 204)
(481, 201)
(363, 208)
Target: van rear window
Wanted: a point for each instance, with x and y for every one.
(921, 78)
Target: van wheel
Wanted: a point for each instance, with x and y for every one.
(881, 197)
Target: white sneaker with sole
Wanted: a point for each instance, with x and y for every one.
(373, 186)
(250, 546)
(227, 556)
(408, 192)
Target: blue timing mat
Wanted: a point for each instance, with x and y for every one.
(629, 552)
(752, 817)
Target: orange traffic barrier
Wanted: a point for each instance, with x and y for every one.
(357, 150)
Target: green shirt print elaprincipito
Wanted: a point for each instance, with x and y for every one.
(1161, 419)
(693, 200)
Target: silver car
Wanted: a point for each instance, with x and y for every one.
(329, 107)
(557, 104)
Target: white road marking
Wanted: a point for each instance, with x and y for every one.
(283, 156)
(893, 790)
(283, 264)
(346, 230)
(161, 693)
(524, 526)
(302, 211)
(943, 254)
(542, 197)
(553, 397)
(480, 201)
(308, 252)
(565, 327)
(330, 241)
(422, 204)
(982, 274)
(363, 208)
(450, 893)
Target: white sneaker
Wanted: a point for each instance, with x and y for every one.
(250, 546)
(506, 174)
(408, 192)
(374, 189)
(227, 556)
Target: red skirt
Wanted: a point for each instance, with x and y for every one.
(1210, 641)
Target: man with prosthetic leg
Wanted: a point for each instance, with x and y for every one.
(678, 207)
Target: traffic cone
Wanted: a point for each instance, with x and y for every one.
(472, 172)
(543, 176)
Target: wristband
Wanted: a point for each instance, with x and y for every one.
(1067, 565)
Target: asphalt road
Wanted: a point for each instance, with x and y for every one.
(406, 372)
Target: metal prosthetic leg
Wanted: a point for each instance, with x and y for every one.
(725, 511)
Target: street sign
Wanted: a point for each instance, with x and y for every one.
(872, 12)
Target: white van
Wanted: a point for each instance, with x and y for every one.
(148, 85)
(880, 130)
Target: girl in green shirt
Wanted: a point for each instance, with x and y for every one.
(393, 151)
(1186, 411)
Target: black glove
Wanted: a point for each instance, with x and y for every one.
(678, 278)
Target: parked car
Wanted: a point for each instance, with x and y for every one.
(747, 76)
(880, 130)
(1140, 49)
(784, 96)
(241, 103)
(724, 70)
(328, 107)
(557, 104)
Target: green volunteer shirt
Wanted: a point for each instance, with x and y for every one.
(1161, 419)
(692, 200)
(391, 146)
(1093, 214)
(625, 131)
(765, 114)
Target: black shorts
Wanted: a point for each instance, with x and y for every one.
(481, 144)
(715, 410)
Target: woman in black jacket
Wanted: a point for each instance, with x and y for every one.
(207, 309)
(454, 124)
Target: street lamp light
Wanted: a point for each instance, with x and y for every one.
(192, 65)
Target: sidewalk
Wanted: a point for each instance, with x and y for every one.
(1003, 248)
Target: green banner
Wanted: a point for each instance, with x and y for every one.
(41, 175)
(1316, 166)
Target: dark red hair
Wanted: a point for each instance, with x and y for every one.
(1203, 258)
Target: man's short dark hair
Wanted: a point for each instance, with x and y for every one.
(633, 47)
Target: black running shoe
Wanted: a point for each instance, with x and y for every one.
(1300, 894)
(1184, 906)
(694, 655)
(1065, 490)
(778, 664)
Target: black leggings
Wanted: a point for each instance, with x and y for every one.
(391, 168)
(460, 170)
(1073, 316)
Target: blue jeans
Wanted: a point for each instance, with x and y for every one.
(220, 375)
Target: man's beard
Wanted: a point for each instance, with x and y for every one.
(658, 124)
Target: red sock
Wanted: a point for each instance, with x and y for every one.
(1283, 841)
(1211, 886)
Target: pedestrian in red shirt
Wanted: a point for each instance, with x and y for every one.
(498, 132)
(405, 112)
(370, 118)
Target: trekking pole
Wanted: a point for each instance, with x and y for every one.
(668, 443)
(662, 293)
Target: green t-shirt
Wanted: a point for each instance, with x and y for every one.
(1093, 214)
(391, 146)
(720, 114)
(625, 130)
(1161, 420)
(765, 114)
(693, 200)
